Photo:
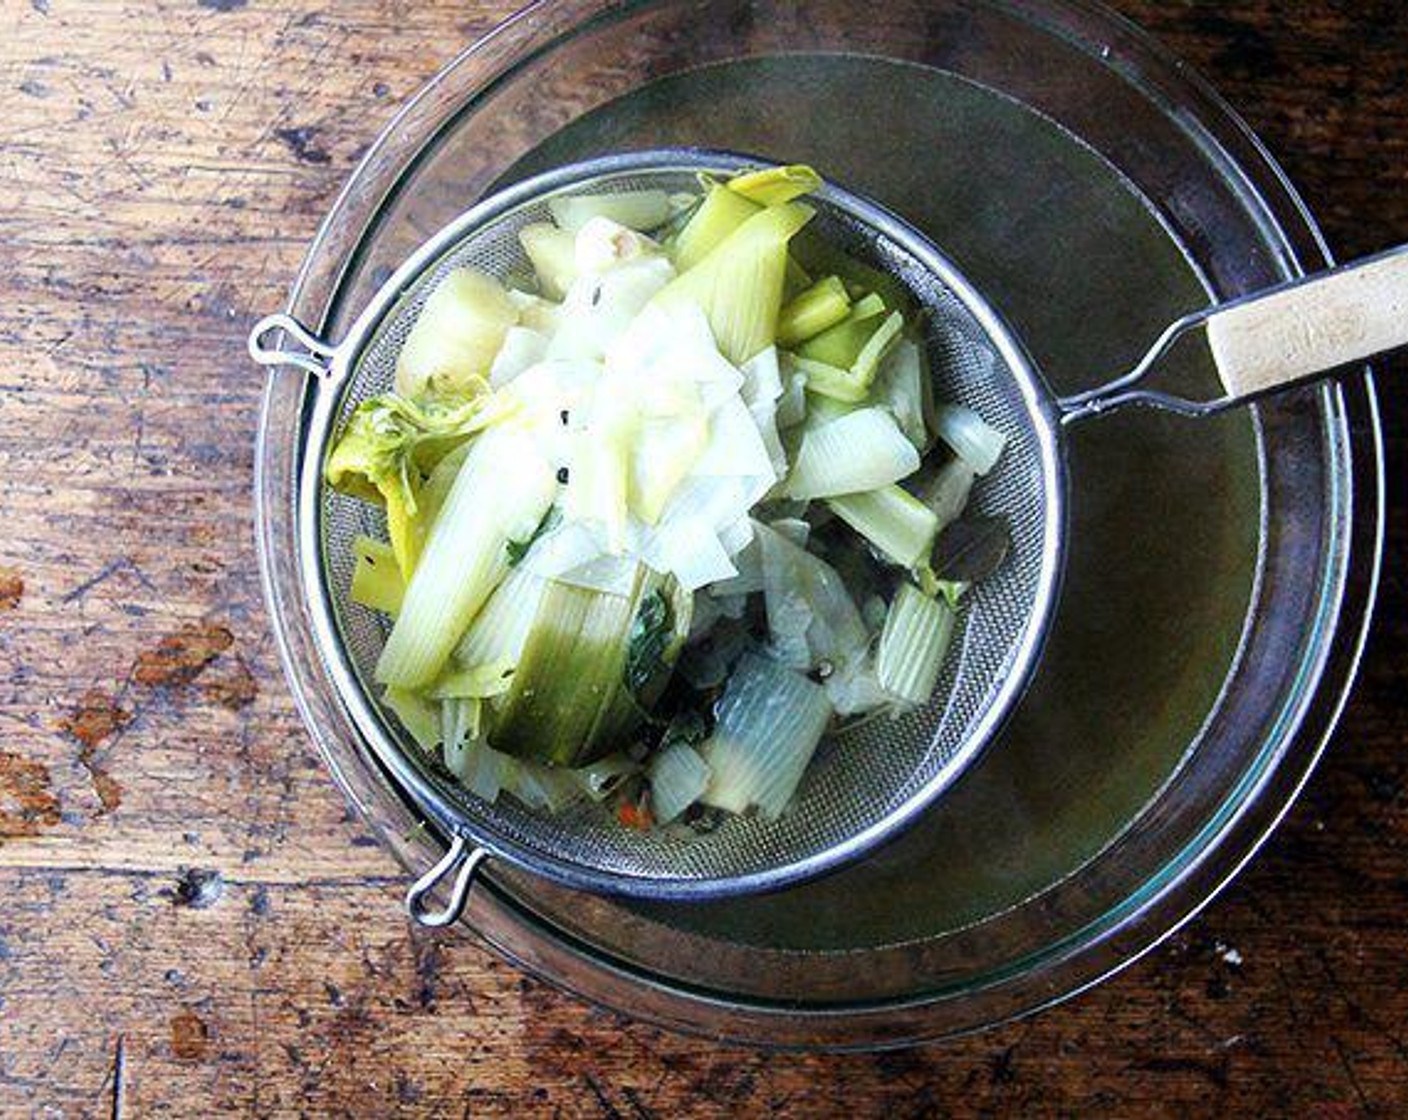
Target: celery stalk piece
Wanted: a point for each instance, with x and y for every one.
(501, 493)
(383, 448)
(553, 254)
(894, 521)
(948, 490)
(770, 721)
(820, 307)
(376, 580)
(483, 682)
(863, 450)
(536, 313)
(825, 380)
(431, 498)
(798, 279)
(542, 787)
(638, 210)
(772, 186)
(718, 216)
(917, 634)
(497, 634)
(820, 256)
(678, 778)
(456, 336)
(739, 285)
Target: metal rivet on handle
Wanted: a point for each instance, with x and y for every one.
(458, 855)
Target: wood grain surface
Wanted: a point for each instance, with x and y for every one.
(191, 922)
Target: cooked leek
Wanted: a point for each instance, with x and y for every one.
(770, 721)
(893, 520)
(863, 450)
(497, 634)
(376, 580)
(522, 348)
(917, 634)
(902, 385)
(739, 284)
(977, 443)
(501, 494)
(828, 362)
(600, 779)
(455, 336)
(813, 622)
(417, 715)
(678, 778)
(772, 186)
(815, 310)
(587, 657)
(718, 216)
(637, 210)
(587, 487)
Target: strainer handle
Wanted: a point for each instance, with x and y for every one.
(460, 860)
(315, 355)
(1277, 338)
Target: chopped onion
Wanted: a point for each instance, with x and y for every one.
(863, 450)
(769, 723)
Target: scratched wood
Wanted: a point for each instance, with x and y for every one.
(192, 924)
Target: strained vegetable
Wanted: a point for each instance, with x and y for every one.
(659, 517)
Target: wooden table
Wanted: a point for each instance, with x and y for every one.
(192, 923)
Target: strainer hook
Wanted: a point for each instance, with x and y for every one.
(459, 856)
(315, 355)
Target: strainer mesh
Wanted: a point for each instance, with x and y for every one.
(859, 777)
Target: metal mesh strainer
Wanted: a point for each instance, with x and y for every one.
(865, 783)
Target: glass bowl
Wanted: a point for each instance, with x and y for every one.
(1221, 573)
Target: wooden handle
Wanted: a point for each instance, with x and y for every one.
(1325, 322)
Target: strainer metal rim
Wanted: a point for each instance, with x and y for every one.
(466, 834)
